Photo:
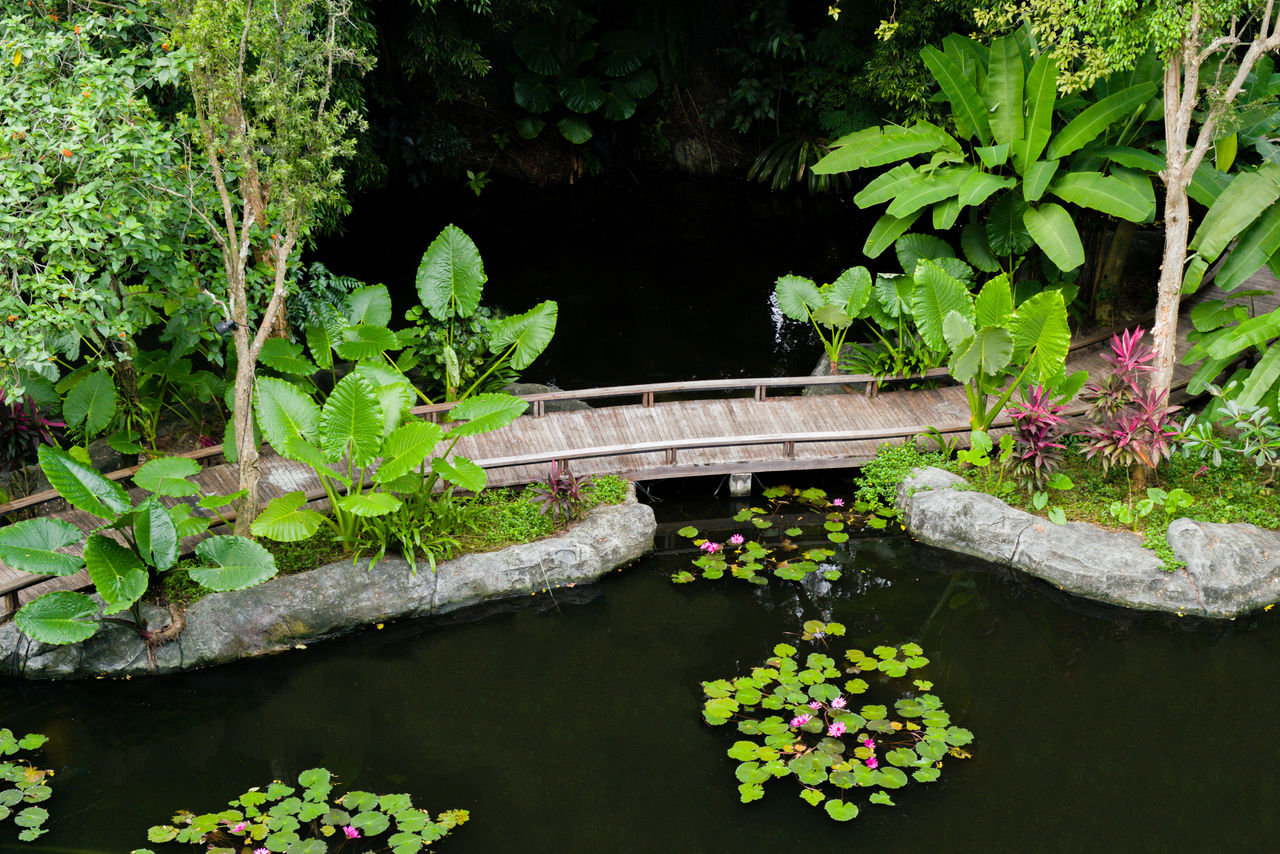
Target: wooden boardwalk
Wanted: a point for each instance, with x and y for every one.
(674, 430)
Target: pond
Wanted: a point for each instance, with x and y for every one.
(573, 724)
(656, 281)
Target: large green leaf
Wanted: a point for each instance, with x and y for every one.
(1037, 178)
(91, 403)
(851, 290)
(894, 294)
(59, 618)
(576, 129)
(979, 186)
(885, 186)
(80, 485)
(364, 342)
(966, 103)
(937, 294)
(351, 421)
(973, 240)
(168, 476)
(618, 105)
(880, 146)
(369, 504)
(534, 93)
(370, 305)
(637, 84)
(286, 520)
(406, 449)
(323, 333)
(921, 191)
(393, 391)
(530, 332)
(624, 52)
(1104, 193)
(238, 563)
(989, 352)
(1254, 332)
(994, 303)
(1041, 93)
(284, 411)
(912, 248)
(945, 214)
(1134, 158)
(797, 297)
(1095, 118)
(1006, 231)
(118, 574)
(539, 49)
(460, 471)
(1005, 75)
(1257, 243)
(1262, 378)
(451, 275)
(485, 412)
(1041, 335)
(286, 357)
(582, 94)
(1053, 231)
(1248, 195)
(31, 546)
(155, 534)
(887, 230)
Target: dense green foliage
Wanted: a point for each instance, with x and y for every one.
(22, 785)
(308, 819)
(826, 745)
(121, 569)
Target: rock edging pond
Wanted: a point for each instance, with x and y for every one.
(1231, 568)
(290, 610)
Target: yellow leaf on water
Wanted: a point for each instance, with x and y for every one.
(1269, 607)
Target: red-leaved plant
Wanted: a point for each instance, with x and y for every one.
(1131, 423)
(1037, 428)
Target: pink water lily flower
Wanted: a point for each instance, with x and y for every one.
(801, 720)
(872, 763)
(815, 705)
(239, 827)
(710, 547)
(736, 540)
(838, 703)
(837, 502)
(866, 742)
(836, 730)
(261, 851)
(351, 832)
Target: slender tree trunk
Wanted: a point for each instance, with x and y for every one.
(242, 410)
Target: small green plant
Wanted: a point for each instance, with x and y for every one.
(560, 495)
(310, 821)
(1170, 502)
(879, 479)
(22, 783)
(820, 738)
(121, 567)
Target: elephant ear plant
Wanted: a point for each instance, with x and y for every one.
(133, 544)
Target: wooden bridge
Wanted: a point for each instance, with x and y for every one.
(665, 430)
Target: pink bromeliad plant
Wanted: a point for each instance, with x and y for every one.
(1131, 423)
(1037, 453)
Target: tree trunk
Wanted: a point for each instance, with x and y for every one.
(242, 418)
(1111, 270)
(1164, 329)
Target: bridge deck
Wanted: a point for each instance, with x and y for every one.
(673, 438)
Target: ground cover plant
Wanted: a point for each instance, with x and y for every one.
(818, 735)
(308, 819)
(22, 785)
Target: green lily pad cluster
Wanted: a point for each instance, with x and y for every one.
(751, 560)
(21, 783)
(307, 820)
(800, 719)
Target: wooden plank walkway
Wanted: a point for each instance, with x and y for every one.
(656, 439)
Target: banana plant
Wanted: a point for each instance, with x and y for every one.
(134, 543)
(1004, 160)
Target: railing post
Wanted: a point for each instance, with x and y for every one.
(789, 450)
(761, 392)
(671, 456)
(539, 408)
(647, 399)
(10, 605)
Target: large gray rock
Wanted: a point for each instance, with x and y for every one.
(1231, 569)
(295, 610)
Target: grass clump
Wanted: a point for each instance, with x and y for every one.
(879, 479)
(515, 516)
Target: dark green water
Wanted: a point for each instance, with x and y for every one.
(575, 726)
